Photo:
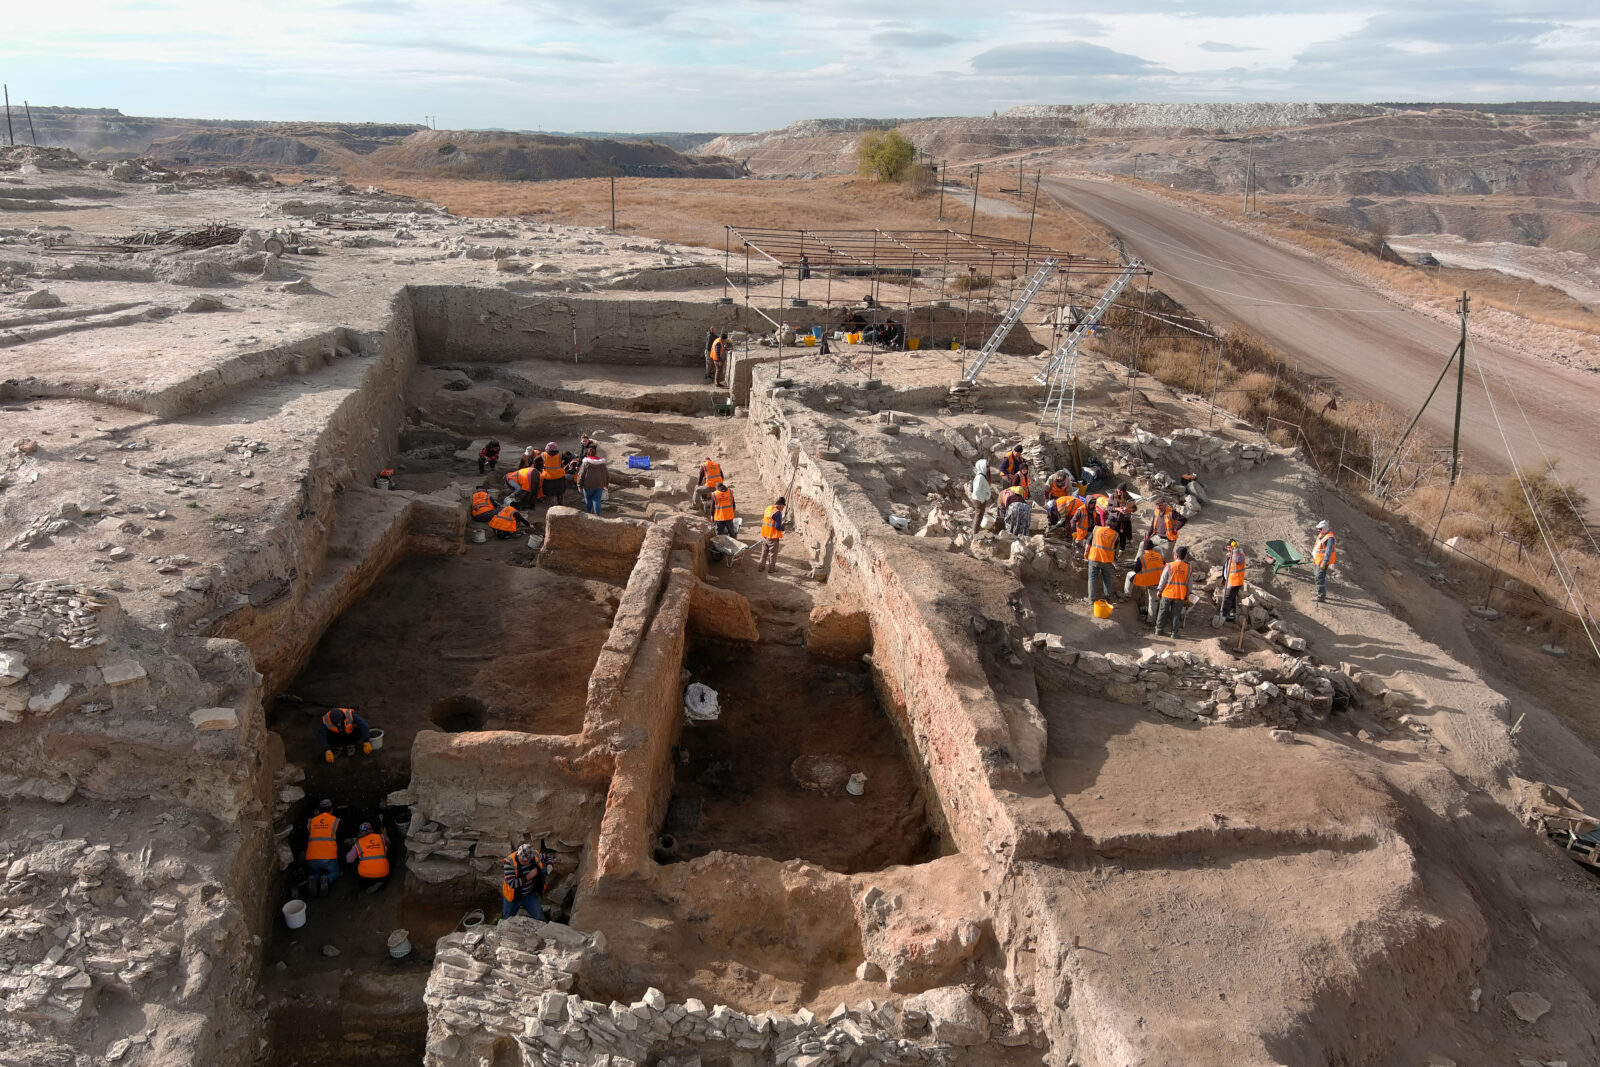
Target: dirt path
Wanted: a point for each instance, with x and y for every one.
(1326, 323)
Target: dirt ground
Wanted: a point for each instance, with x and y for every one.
(767, 778)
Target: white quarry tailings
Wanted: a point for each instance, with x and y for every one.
(1226, 117)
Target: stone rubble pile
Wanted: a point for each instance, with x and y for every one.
(37, 613)
(437, 853)
(515, 981)
(76, 917)
(1150, 459)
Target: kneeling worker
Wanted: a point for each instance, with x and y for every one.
(370, 854)
(322, 848)
(482, 507)
(342, 726)
(522, 881)
(507, 522)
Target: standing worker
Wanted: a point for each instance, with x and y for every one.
(1146, 576)
(370, 854)
(1233, 574)
(1165, 525)
(521, 882)
(1174, 590)
(722, 510)
(981, 492)
(1324, 554)
(711, 344)
(772, 522)
(322, 848)
(342, 726)
(592, 479)
(1014, 466)
(552, 473)
(1101, 552)
(710, 479)
(720, 351)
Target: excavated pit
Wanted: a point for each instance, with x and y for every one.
(769, 777)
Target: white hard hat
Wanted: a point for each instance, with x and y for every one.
(1323, 525)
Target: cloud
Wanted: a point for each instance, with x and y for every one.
(1219, 46)
(375, 7)
(914, 38)
(1060, 58)
(554, 50)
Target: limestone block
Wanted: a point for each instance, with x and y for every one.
(953, 1016)
(13, 668)
(45, 701)
(214, 719)
(122, 672)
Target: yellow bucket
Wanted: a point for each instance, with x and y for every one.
(955, 346)
(914, 344)
(810, 340)
(1102, 609)
(853, 338)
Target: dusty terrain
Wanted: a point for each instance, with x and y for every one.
(1076, 843)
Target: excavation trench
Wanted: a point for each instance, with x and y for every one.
(461, 645)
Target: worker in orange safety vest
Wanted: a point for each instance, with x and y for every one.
(523, 484)
(1101, 552)
(552, 474)
(710, 478)
(521, 881)
(507, 522)
(1324, 554)
(722, 510)
(370, 854)
(1233, 577)
(772, 526)
(1146, 576)
(1174, 591)
(342, 726)
(482, 507)
(322, 848)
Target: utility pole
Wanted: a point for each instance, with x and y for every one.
(1248, 170)
(942, 167)
(9, 134)
(972, 223)
(613, 203)
(34, 136)
(1461, 377)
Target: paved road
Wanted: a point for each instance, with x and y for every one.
(1329, 325)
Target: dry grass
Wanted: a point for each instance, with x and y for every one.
(695, 211)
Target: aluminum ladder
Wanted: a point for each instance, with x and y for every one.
(1012, 317)
(1060, 375)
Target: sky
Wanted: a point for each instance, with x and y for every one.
(746, 65)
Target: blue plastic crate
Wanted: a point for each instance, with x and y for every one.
(639, 462)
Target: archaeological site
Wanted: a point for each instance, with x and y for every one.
(904, 795)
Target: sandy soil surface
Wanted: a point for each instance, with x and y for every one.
(1324, 321)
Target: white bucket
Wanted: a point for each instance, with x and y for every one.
(376, 738)
(856, 785)
(400, 944)
(471, 919)
(294, 913)
(382, 483)
(478, 535)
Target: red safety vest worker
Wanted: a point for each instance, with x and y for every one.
(1103, 546)
(505, 520)
(374, 862)
(521, 479)
(771, 523)
(1177, 574)
(323, 831)
(1150, 567)
(1325, 553)
(481, 504)
(1235, 566)
(340, 720)
(711, 473)
(722, 504)
(553, 467)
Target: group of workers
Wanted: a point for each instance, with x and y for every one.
(713, 492)
(1104, 523)
(368, 853)
(543, 475)
(524, 872)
